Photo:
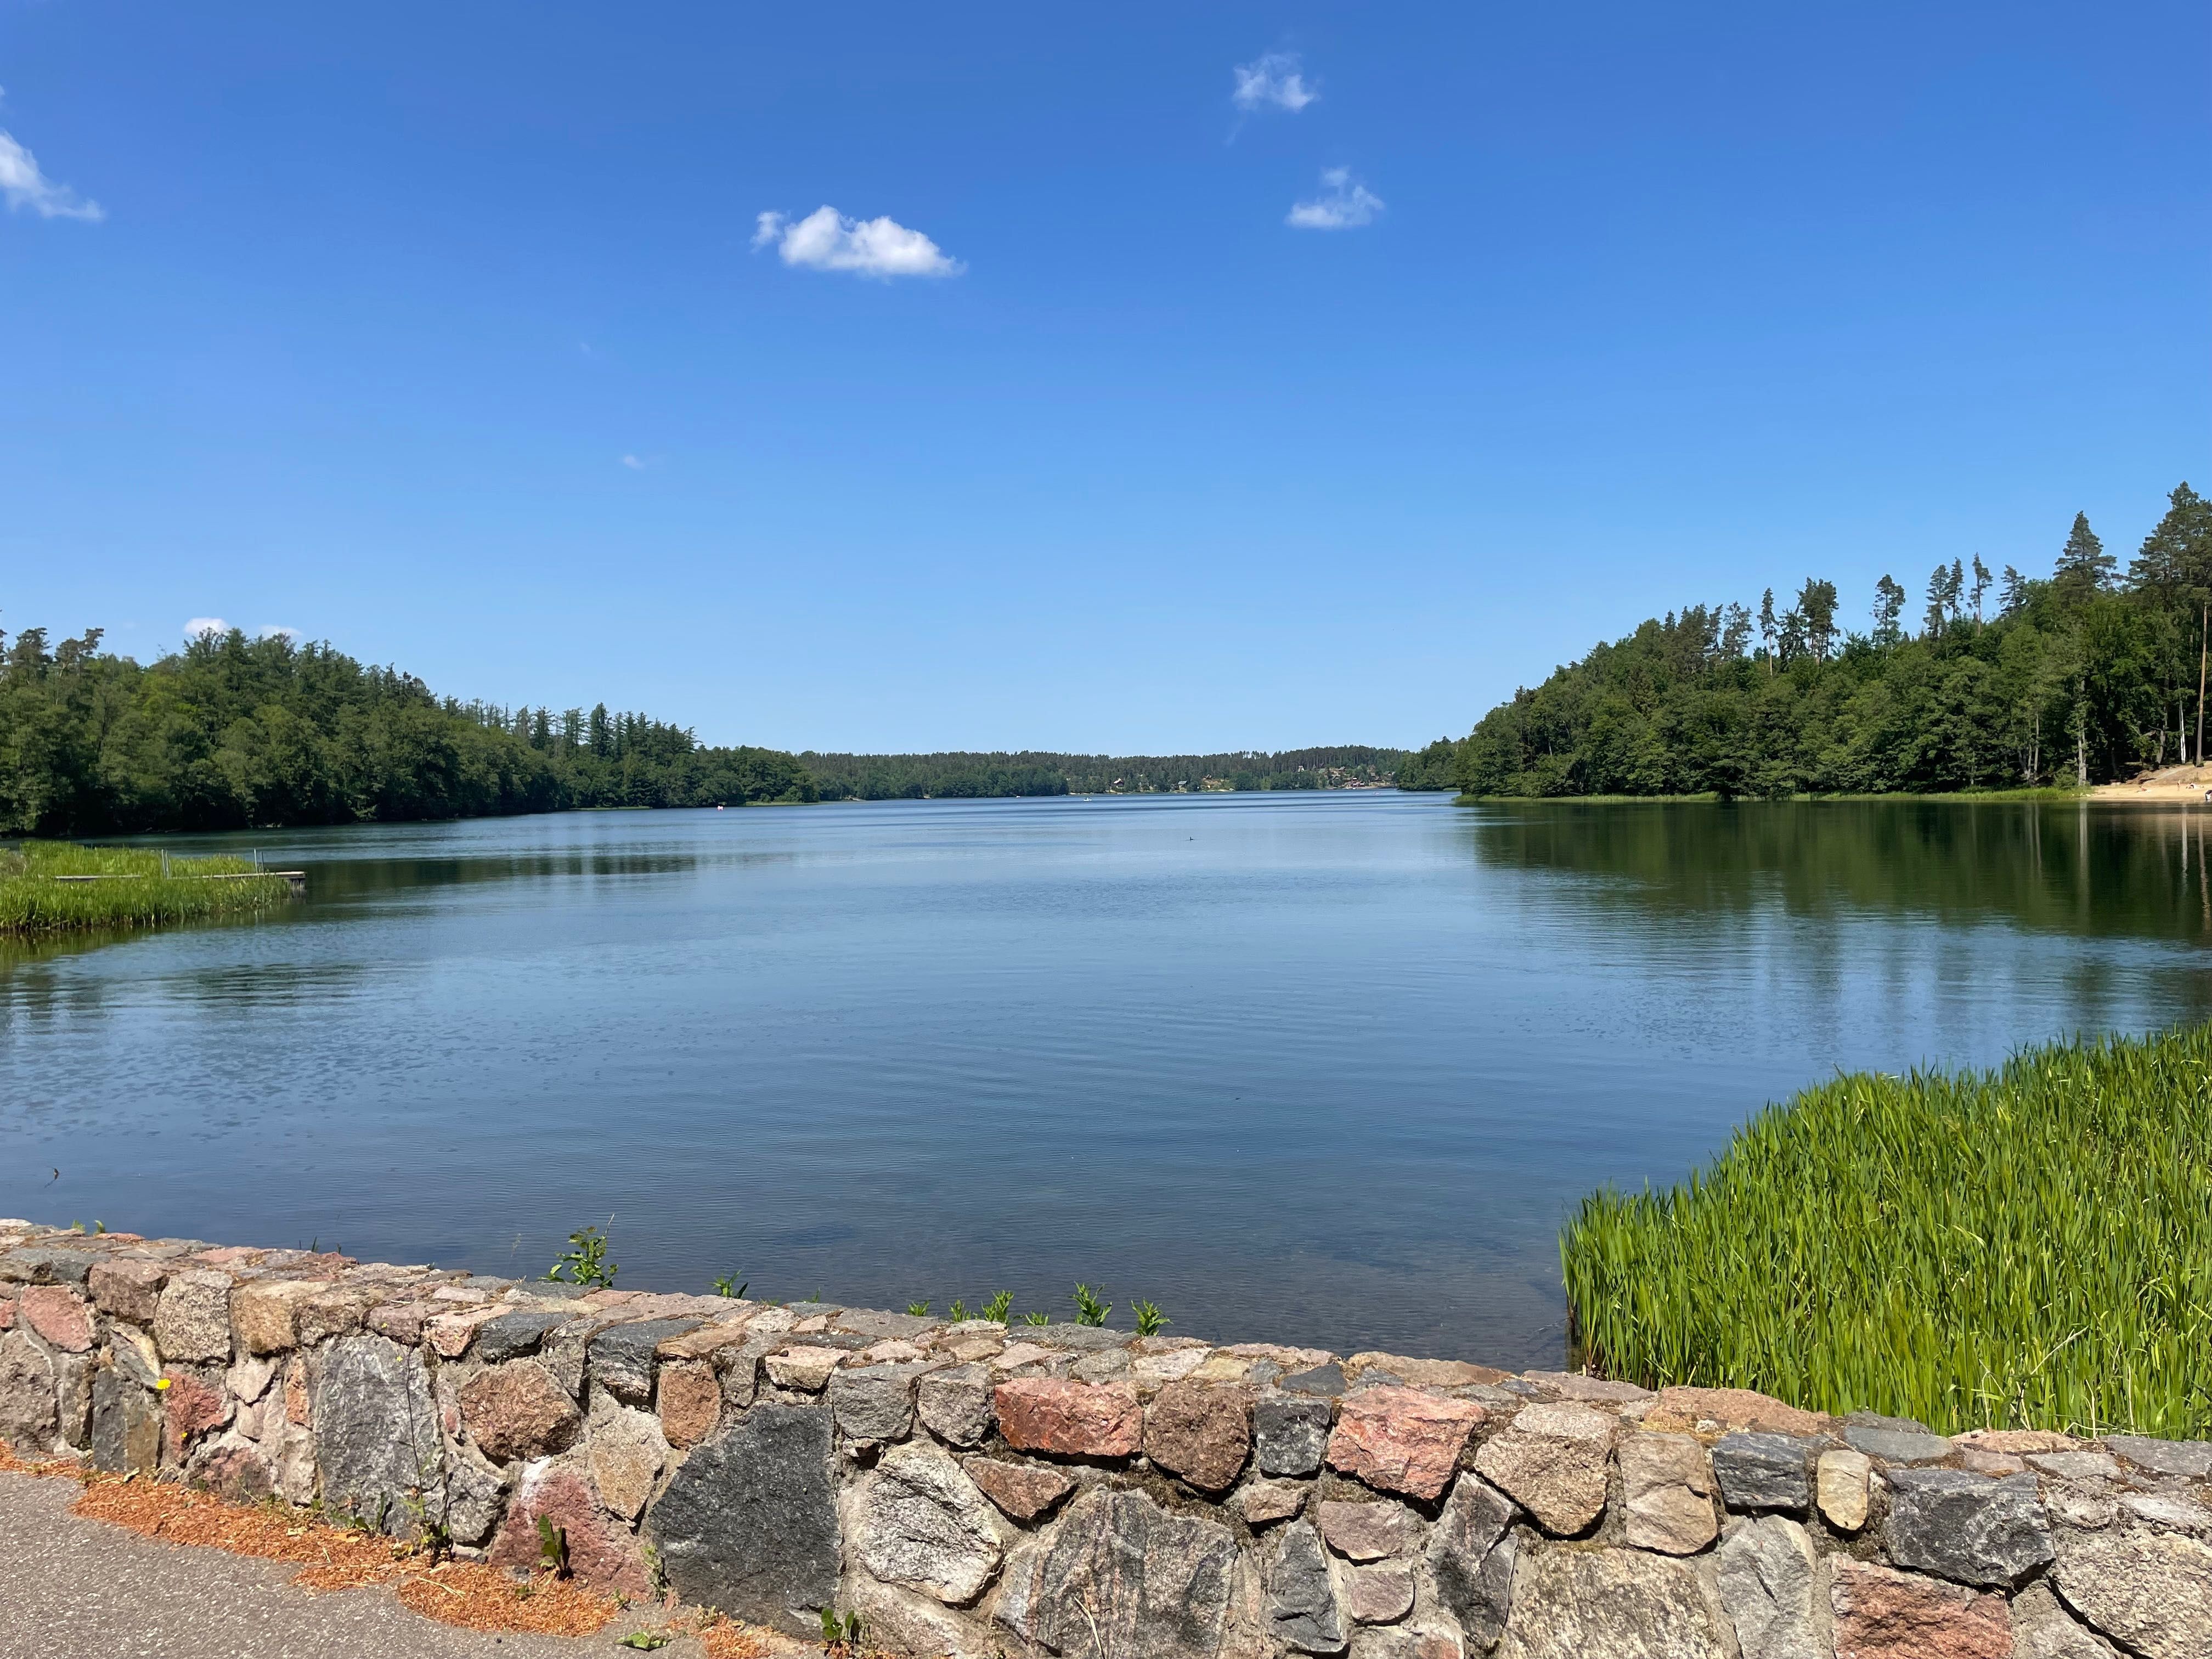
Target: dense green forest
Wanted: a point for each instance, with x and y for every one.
(234, 733)
(915, 777)
(2009, 681)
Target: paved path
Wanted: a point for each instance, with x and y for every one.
(72, 1589)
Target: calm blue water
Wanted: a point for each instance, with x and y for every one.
(1323, 1069)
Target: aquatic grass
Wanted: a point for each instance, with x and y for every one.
(2028, 1246)
(138, 888)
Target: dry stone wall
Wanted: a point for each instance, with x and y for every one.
(970, 1489)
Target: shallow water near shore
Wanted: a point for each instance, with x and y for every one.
(1328, 1069)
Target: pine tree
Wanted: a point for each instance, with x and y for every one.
(2012, 593)
(1981, 585)
(2084, 568)
(1888, 604)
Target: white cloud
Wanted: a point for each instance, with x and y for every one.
(1271, 80)
(827, 241)
(25, 186)
(200, 625)
(271, 631)
(1344, 202)
(635, 462)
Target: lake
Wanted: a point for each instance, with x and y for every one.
(1330, 1068)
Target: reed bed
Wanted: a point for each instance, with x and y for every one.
(2030, 1245)
(139, 891)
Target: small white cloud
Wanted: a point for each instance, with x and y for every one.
(1344, 202)
(25, 186)
(636, 463)
(200, 625)
(827, 241)
(272, 630)
(1272, 81)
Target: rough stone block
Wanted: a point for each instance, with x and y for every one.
(874, 1404)
(191, 1322)
(1882, 1614)
(59, 1313)
(39, 1265)
(1302, 1611)
(1368, 1532)
(2042, 1629)
(517, 1410)
(689, 1401)
(805, 1368)
(924, 1524)
(1842, 1477)
(1771, 1586)
(1121, 1577)
(626, 1451)
(1022, 1491)
(1765, 1472)
(2190, 1459)
(1577, 1603)
(1471, 1558)
(601, 1554)
(128, 1288)
(1667, 1484)
(1200, 1431)
(1552, 1461)
(2150, 1590)
(1968, 1527)
(1262, 1503)
(748, 1523)
(30, 1416)
(1070, 1420)
(126, 1425)
(1380, 1594)
(622, 1357)
(1291, 1436)
(376, 1431)
(1677, 1409)
(1400, 1440)
(956, 1404)
(264, 1312)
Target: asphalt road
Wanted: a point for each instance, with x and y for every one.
(72, 1588)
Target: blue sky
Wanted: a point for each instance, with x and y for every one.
(1150, 420)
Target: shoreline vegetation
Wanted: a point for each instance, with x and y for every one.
(2029, 1244)
(238, 733)
(52, 887)
(2087, 677)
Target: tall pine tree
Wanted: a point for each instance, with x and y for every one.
(2084, 566)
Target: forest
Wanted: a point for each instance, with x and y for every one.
(2008, 681)
(954, 776)
(233, 732)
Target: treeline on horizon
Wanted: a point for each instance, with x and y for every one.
(960, 775)
(233, 732)
(2082, 676)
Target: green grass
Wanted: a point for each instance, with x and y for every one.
(32, 901)
(2042, 792)
(2027, 1247)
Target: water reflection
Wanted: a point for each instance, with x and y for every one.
(2093, 870)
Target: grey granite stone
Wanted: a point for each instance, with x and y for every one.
(1968, 1527)
(1765, 1472)
(748, 1523)
(1302, 1611)
(1289, 1433)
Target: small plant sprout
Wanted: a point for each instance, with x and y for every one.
(1089, 1310)
(918, 1310)
(646, 1640)
(1151, 1322)
(552, 1547)
(1036, 1318)
(958, 1311)
(730, 1285)
(585, 1261)
(999, 1307)
(840, 1635)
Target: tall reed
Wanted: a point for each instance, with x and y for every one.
(138, 891)
(2028, 1245)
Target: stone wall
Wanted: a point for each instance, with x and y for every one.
(972, 1489)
